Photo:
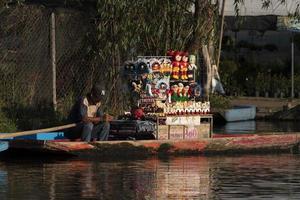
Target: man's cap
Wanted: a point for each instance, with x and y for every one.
(98, 90)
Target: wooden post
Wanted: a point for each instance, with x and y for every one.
(208, 71)
(292, 66)
(221, 33)
(53, 59)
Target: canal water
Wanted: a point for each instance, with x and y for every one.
(257, 127)
(223, 177)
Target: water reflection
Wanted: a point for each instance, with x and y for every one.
(247, 177)
(258, 127)
(256, 177)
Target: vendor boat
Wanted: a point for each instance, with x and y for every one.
(218, 144)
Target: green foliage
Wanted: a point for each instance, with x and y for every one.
(262, 82)
(264, 4)
(219, 102)
(256, 47)
(228, 69)
(282, 83)
(6, 124)
(270, 47)
(26, 117)
(297, 41)
(297, 83)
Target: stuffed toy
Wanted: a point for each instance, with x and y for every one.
(184, 66)
(137, 113)
(197, 93)
(166, 67)
(161, 91)
(149, 90)
(174, 93)
(136, 86)
(170, 53)
(142, 68)
(186, 93)
(180, 90)
(130, 70)
(176, 65)
(192, 68)
(154, 65)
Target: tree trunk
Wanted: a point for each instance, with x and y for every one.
(203, 25)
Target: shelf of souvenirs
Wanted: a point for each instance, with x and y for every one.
(187, 107)
(178, 108)
(203, 114)
(161, 118)
(178, 113)
(182, 81)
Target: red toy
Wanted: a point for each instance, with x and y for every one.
(176, 65)
(184, 66)
(137, 113)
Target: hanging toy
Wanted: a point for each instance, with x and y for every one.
(136, 86)
(155, 68)
(174, 93)
(186, 93)
(130, 70)
(192, 68)
(166, 67)
(149, 90)
(184, 66)
(180, 91)
(142, 68)
(176, 65)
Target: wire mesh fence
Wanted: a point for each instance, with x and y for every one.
(26, 76)
(24, 57)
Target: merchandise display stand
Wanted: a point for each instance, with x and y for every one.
(184, 127)
(168, 91)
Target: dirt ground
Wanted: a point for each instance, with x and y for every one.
(266, 106)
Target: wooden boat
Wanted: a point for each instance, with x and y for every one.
(218, 144)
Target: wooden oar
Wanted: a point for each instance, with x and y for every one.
(32, 132)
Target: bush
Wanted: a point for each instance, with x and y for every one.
(6, 125)
(219, 102)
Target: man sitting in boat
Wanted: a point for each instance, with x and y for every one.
(94, 124)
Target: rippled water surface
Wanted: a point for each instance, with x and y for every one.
(239, 177)
(258, 127)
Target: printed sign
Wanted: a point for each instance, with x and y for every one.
(183, 120)
(176, 132)
(204, 130)
(191, 132)
(163, 132)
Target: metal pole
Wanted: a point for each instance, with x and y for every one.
(221, 33)
(292, 66)
(53, 60)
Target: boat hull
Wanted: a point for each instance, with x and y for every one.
(3, 145)
(240, 113)
(220, 144)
